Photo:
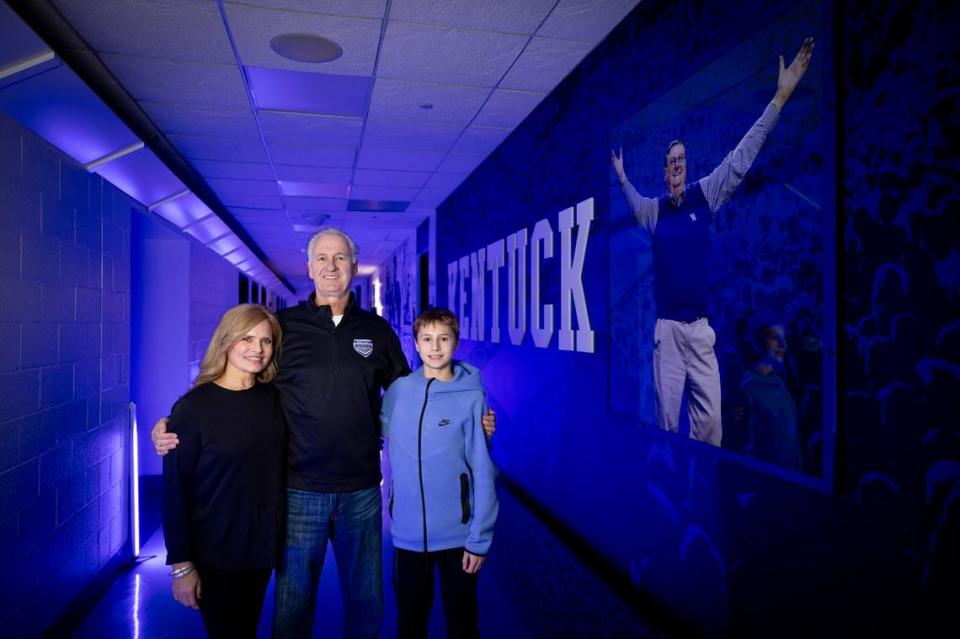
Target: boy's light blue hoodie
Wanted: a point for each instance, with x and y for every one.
(442, 492)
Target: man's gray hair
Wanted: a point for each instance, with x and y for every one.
(333, 230)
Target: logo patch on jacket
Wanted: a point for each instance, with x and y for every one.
(363, 346)
(444, 422)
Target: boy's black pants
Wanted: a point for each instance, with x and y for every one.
(413, 578)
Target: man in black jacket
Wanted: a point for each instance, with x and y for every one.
(329, 345)
(335, 359)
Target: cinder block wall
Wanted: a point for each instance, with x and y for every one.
(64, 378)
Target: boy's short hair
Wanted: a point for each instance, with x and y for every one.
(437, 316)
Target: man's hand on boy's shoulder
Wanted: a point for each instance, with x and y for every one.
(163, 442)
(489, 422)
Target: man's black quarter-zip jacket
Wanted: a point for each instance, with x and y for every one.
(330, 382)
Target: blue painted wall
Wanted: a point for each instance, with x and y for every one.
(714, 545)
(181, 289)
(161, 321)
(64, 378)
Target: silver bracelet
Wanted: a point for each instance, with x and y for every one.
(182, 572)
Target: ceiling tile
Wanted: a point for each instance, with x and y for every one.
(478, 139)
(445, 181)
(322, 204)
(251, 201)
(214, 86)
(585, 20)
(171, 29)
(446, 55)
(461, 162)
(312, 173)
(266, 233)
(253, 27)
(391, 193)
(291, 152)
(484, 15)
(232, 170)
(225, 149)
(374, 223)
(507, 109)
(263, 215)
(391, 135)
(304, 221)
(243, 187)
(280, 243)
(544, 63)
(321, 130)
(357, 8)
(184, 120)
(399, 160)
(416, 207)
(374, 177)
(402, 100)
(431, 198)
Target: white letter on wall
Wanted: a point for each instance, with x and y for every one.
(517, 286)
(477, 271)
(571, 279)
(495, 259)
(541, 333)
(464, 320)
(452, 285)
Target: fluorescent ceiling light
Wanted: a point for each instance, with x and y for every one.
(110, 157)
(25, 63)
(167, 200)
(314, 189)
(305, 92)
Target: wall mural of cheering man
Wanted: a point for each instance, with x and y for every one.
(694, 269)
(678, 221)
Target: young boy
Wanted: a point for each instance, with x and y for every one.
(442, 499)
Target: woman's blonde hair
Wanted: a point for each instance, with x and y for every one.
(233, 326)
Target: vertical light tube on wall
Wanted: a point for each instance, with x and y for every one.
(134, 482)
(377, 305)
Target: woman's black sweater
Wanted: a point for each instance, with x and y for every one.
(224, 483)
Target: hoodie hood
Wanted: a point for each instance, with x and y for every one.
(465, 377)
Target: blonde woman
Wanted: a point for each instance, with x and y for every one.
(223, 485)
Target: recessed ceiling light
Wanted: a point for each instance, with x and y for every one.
(306, 47)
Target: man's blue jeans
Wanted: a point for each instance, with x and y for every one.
(352, 521)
